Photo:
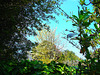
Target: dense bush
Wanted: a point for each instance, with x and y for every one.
(26, 67)
(18, 68)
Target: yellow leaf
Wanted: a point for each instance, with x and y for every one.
(62, 14)
(54, 2)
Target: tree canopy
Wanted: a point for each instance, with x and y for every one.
(46, 51)
(69, 57)
(86, 35)
(20, 18)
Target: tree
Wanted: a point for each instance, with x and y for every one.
(48, 46)
(20, 18)
(70, 58)
(45, 35)
(86, 34)
(46, 52)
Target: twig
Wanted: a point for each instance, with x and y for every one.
(74, 45)
(67, 15)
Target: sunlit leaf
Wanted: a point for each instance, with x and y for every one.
(98, 19)
(74, 24)
(62, 14)
(75, 17)
(95, 25)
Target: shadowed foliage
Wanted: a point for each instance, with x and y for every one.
(19, 18)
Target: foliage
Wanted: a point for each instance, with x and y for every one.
(96, 54)
(47, 49)
(19, 18)
(18, 68)
(70, 58)
(87, 36)
(27, 67)
(46, 52)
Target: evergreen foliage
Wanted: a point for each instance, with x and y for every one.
(19, 18)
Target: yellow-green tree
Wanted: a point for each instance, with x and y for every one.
(70, 58)
(46, 52)
(48, 48)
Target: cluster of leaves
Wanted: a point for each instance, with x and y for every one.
(90, 67)
(46, 52)
(47, 49)
(87, 36)
(27, 67)
(92, 64)
(69, 57)
(18, 19)
(23, 67)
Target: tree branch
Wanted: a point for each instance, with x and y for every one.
(67, 15)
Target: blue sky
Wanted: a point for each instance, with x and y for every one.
(68, 6)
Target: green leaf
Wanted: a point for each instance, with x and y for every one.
(46, 72)
(35, 62)
(68, 20)
(99, 34)
(86, 24)
(86, 30)
(9, 69)
(80, 17)
(98, 19)
(95, 25)
(83, 16)
(74, 24)
(86, 17)
(90, 32)
(82, 2)
(75, 17)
